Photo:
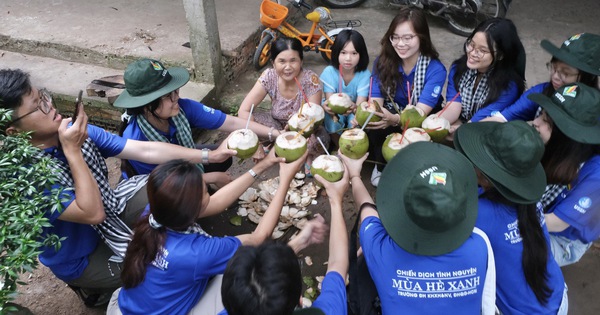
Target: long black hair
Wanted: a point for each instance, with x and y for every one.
(508, 53)
(360, 46)
(535, 248)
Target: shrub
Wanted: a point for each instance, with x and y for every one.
(23, 178)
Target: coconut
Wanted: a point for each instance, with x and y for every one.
(437, 127)
(364, 109)
(339, 103)
(290, 145)
(315, 111)
(244, 141)
(392, 143)
(413, 115)
(300, 122)
(354, 143)
(330, 167)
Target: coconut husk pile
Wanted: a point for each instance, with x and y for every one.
(254, 202)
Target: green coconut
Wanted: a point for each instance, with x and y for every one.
(330, 167)
(396, 142)
(312, 110)
(290, 145)
(354, 143)
(244, 141)
(413, 115)
(339, 103)
(437, 127)
(364, 109)
(301, 122)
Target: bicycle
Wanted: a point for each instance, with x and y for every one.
(320, 38)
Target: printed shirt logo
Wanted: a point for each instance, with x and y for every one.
(208, 109)
(570, 91)
(436, 91)
(156, 66)
(585, 202)
(437, 179)
(572, 38)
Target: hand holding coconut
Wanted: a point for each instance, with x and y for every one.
(385, 119)
(353, 166)
(221, 153)
(313, 232)
(336, 189)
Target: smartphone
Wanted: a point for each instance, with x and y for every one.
(78, 103)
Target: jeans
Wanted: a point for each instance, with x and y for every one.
(567, 251)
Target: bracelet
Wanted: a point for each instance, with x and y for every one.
(396, 124)
(271, 134)
(205, 156)
(253, 173)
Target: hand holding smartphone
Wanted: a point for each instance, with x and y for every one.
(78, 103)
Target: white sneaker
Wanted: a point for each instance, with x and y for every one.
(375, 176)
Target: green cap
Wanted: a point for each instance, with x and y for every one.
(581, 51)
(508, 154)
(147, 80)
(309, 311)
(427, 199)
(575, 110)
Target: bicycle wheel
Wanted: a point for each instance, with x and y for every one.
(263, 52)
(463, 23)
(327, 45)
(342, 4)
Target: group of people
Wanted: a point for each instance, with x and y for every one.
(513, 191)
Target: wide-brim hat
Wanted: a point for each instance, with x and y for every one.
(147, 80)
(575, 110)
(580, 51)
(427, 199)
(508, 154)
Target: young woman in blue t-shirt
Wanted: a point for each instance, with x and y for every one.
(572, 62)
(171, 263)
(511, 180)
(407, 72)
(489, 76)
(570, 127)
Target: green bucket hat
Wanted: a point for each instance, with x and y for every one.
(508, 154)
(427, 199)
(147, 80)
(575, 110)
(580, 51)
(309, 311)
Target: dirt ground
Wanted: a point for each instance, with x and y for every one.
(47, 295)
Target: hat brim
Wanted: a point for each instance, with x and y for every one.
(309, 311)
(179, 77)
(569, 126)
(567, 57)
(390, 199)
(469, 139)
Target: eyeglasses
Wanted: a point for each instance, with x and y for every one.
(45, 105)
(564, 77)
(173, 95)
(478, 52)
(406, 39)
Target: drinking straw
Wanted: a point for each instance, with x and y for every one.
(324, 148)
(370, 88)
(301, 92)
(249, 116)
(341, 79)
(367, 121)
(387, 92)
(302, 130)
(408, 92)
(404, 131)
(452, 100)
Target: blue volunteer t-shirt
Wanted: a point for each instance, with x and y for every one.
(506, 98)
(81, 240)
(358, 86)
(431, 95)
(524, 108)
(176, 279)
(197, 114)
(447, 284)
(513, 294)
(579, 206)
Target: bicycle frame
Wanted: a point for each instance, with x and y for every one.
(309, 39)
